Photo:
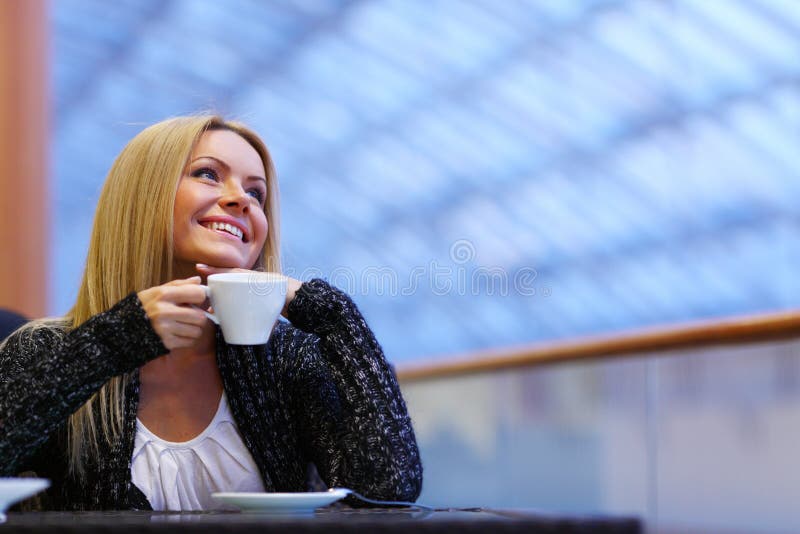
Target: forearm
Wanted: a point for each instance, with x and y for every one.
(368, 424)
(46, 375)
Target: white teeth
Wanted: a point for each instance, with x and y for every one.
(225, 227)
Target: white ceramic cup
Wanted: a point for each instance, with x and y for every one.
(246, 305)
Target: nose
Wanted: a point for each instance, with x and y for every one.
(234, 197)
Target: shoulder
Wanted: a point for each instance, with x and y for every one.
(34, 333)
(31, 341)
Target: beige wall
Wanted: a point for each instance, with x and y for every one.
(24, 120)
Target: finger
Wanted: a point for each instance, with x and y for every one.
(167, 314)
(184, 281)
(189, 315)
(185, 294)
(208, 269)
(177, 342)
(189, 331)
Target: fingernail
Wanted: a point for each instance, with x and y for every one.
(202, 266)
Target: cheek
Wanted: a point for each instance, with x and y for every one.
(188, 201)
(261, 226)
(184, 200)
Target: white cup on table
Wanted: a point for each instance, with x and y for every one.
(246, 305)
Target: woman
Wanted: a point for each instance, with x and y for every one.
(135, 401)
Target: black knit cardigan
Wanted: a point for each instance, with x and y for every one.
(319, 392)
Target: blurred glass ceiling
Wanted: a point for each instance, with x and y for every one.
(474, 173)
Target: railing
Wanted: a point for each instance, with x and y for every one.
(692, 427)
(729, 331)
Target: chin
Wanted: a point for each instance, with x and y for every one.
(218, 256)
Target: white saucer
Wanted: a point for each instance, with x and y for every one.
(13, 490)
(281, 503)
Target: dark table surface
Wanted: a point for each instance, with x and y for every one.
(342, 520)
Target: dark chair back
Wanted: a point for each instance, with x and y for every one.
(10, 321)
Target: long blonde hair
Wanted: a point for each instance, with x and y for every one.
(131, 249)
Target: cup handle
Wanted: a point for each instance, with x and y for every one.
(209, 315)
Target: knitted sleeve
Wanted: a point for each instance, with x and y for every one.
(47, 373)
(353, 418)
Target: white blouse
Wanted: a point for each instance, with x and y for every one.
(182, 476)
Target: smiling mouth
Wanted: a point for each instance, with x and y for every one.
(225, 228)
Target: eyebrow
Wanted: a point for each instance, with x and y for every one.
(228, 167)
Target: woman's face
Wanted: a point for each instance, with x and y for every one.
(219, 214)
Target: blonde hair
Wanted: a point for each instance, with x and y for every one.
(131, 248)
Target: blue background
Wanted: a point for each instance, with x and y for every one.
(473, 173)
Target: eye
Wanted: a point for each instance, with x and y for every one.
(257, 194)
(207, 173)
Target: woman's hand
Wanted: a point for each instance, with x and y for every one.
(169, 308)
(291, 287)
